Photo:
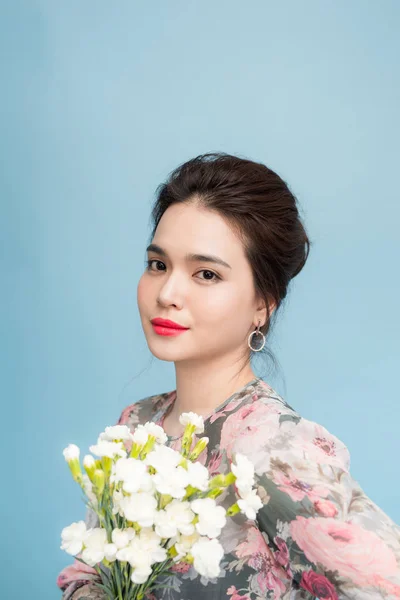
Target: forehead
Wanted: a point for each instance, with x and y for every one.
(189, 228)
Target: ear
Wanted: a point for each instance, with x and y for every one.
(261, 314)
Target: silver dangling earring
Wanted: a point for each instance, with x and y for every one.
(257, 332)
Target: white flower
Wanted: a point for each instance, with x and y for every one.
(106, 448)
(73, 537)
(71, 452)
(142, 571)
(212, 518)
(110, 552)
(125, 554)
(95, 542)
(139, 508)
(164, 526)
(139, 560)
(122, 537)
(181, 514)
(250, 504)
(177, 517)
(198, 475)
(133, 473)
(149, 541)
(172, 482)
(141, 553)
(140, 436)
(184, 543)
(163, 458)
(244, 472)
(191, 418)
(116, 432)
(207, 556)
(156, 431)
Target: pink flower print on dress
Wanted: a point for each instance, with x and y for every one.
(233, 592)
(353, 551)
(296, 488)
(249, 430)
(253, 544)
(270, 572)
(325, 508)
(282, 554)
(181, 567)
(387, 586)
(316, 444)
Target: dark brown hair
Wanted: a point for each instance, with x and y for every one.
(258, 204)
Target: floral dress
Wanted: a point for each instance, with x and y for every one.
(318, 535)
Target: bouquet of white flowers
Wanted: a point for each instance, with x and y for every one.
(156, 507)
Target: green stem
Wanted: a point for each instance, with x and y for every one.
(118, 578)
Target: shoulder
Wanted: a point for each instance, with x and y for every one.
(145, 409)
(268, 427)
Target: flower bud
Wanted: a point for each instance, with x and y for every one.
(89, 465)
(106, 462)
(99, 481)
(230, 478)
(217, 481)
(187, 439)
(199, 448)
(215, 493)
(71, 455)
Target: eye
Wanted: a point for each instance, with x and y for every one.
(150, 262)
(212, 273)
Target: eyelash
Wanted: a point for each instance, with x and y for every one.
(149, 262)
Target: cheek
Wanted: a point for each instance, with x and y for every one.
(142, 293)
(225, 306)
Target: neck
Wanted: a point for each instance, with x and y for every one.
(201, 389)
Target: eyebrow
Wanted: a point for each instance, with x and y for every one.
(190, 256)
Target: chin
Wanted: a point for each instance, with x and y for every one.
(162, 353)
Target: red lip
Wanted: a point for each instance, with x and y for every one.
(167, 323)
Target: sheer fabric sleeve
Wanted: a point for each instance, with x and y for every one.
(338, 544)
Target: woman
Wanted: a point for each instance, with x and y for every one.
(227, 240)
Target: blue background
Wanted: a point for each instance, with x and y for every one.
(99, 102)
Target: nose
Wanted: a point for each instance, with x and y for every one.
(171, 292)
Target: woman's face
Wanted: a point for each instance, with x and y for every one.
(217, 303)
